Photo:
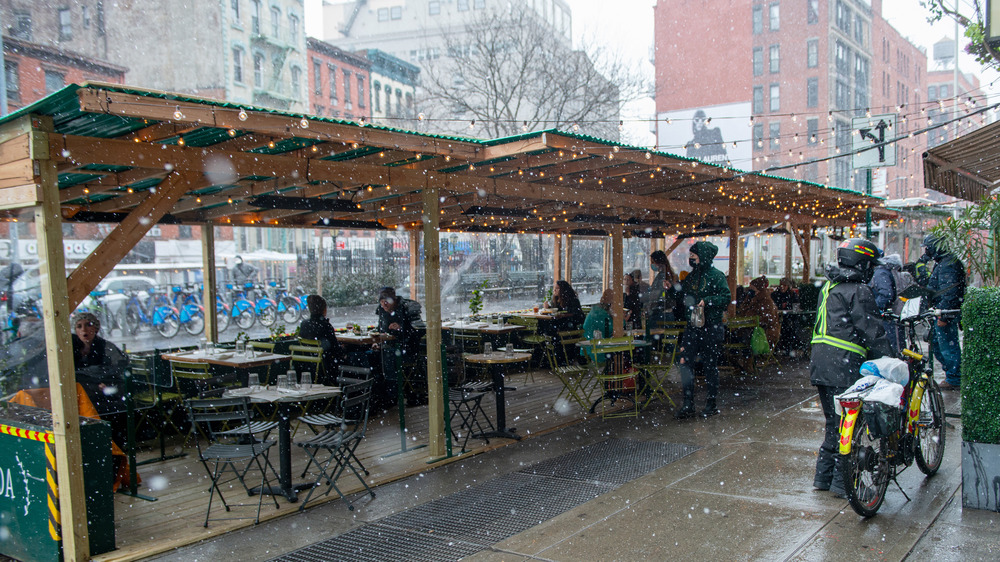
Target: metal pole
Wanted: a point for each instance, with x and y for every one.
(868, 211)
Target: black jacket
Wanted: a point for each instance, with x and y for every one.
(319, 328)
(105, 364)
(948, 283)
(407, 336)
(850, 316)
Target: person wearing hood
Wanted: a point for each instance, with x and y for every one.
(705, 296)
(884, 288)
(758, 303)
(658, 301)
(243, 273)
(848, 332)
(947, 286)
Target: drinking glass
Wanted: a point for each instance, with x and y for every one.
(204, 346)
(597, 334)
(487, 348)
(307, 380)
(282, 381)
(502, 321)
(241, 348)
(510, 349)
(253, 381)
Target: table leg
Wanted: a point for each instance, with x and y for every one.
(496, 371)
(284, 487)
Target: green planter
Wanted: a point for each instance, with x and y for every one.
(980, 400)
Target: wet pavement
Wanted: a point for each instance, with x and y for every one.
(745, 494)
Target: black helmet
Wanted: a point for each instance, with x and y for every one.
(932, 245)
(858, 253)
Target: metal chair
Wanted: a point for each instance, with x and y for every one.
(662, 358)
(567, 341)
(333, 420)
(736, 349)
(619, 378)
(307, 355)
(341, 442)
(150, 397)
(467, 404)
(578, 380)
(227, 449)
(530, 338)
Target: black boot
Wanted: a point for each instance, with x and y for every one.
(710, 409)
(687, 410)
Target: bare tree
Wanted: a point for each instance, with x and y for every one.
(507, 72)
(975, 28)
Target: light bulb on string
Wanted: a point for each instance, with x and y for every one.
(177, 113)
(243, 114)
(304, 123)
(524, 127)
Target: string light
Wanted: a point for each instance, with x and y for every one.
(304, 123)
(242, 115)
(178, 115)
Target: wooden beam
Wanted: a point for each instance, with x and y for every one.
(734, 242)
(59, 359)
(557, 257)
(414, 259)
(432, 299)
(20, 196)
(617, 280)
(788, 250)
(568, 262)
(209, 281)
(124, 237)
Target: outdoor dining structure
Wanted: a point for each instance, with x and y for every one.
(135, 158)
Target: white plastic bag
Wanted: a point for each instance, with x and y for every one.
(872, 389)
(888, 368)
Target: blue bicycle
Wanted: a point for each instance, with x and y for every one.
(190, 312)
(289, 307)
(152, 313)
(241, 309)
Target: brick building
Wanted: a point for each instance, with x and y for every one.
(33, 71)
(769, 85)
(338, 82)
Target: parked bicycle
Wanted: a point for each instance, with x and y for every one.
(241, 309)
(190, 312)
(877, 442)
(97, 305)
(151, 314)
(289, 307)
(264, 306)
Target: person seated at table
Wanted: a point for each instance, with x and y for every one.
(599, 321)
(784, 296)
(632, 303)
(565, 300)
(397, 317)
(659, 301)
(757, 302)
(100, 367)
(317, 327)
(641, 285)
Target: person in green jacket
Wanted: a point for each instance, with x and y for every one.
(704, 292)
(599, 319)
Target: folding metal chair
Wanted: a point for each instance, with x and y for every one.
(341, 443)
(467, 404)
(619, 379)
(227, 449)
(578, 380)
(657, 370)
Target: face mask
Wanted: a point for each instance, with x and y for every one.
(692, 263)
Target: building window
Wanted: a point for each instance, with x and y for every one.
(347, 89)
(774, 59)
(85, 16)
(758, 61)
(234, 8)
(812, 13)
(932, 93)
(65, 25)
(775, 98)
(317, 78)
(399, 101)
(758, 99)
(258, 70)
(434, 8)
(293, 29)
(773, 17)
(861, 81)
(842, 94)
(859, 30)
(758, 20)
(388, 100)
(255, 17)
(843, 59)
(462, 5)
(22, 26)
(377, 91)
(383, 14)
(296, 75)
(812, 53)
(53, 81)
(943, 91)
(275, 21)
(842, 166)
(396, 12)
(409, 104)
(331, 72)
(843, 17)
(812, 131)
(774, 130)
(479, 4)
(13, 81)
(758, 136)
(361, 91)
(237, 64)
(812, 92)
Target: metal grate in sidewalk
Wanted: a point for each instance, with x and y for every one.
(471, 520)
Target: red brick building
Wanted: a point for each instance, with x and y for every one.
(338, 81)
(774, 85)
(33, 71)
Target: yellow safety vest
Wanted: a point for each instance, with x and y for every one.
(819, 330)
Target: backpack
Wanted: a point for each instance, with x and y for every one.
(411, 309)
(901, 281)
(758, 342)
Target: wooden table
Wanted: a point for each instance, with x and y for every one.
(483, 327)
(226, 359)
(284, 401)
(369, 339)
(496, 362)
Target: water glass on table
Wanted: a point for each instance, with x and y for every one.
(282, 381)
(253, 382)
(241, 348)
(307, 380)
(487, 348)
(510, 350)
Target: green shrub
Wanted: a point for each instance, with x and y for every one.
(358, 288)
(981, 366)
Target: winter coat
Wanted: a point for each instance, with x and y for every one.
(850, 315)
(407, 336)
(883, 288)
(655, 296)
(319, 328)
(705, 283)
(948, 277)
(766, 312)
(599, 320)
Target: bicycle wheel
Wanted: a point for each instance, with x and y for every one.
(930, 430)
(291, 313)
(222, 319)
(132, 320)
(246, 318)
(169, 327)
(865, 470)
(196, 323)
(267, 316)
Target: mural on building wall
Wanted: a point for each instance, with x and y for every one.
(716, 134)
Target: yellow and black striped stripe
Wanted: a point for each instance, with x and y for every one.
(52, 480)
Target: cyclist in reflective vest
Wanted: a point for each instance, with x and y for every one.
(848, 332)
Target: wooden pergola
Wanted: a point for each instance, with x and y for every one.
(112, 154)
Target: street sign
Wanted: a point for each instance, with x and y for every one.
(869, 136)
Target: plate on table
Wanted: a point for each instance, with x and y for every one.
(223, 355)
(239, 391)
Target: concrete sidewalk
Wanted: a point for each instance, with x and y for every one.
(746, 494)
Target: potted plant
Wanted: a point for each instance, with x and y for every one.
(476, 300)
(975, 239)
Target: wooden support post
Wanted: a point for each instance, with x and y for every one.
(788, 250)
(605, 264)
(59, 359)
(617, 281)
(568, 261)
(556, 257)
(209, 280)
(319, 264)
(734, 242)
(414, 259)
(432, 300)
(804, 248)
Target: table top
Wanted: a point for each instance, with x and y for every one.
(605, 343)
(271, 394)
(368, 339)
(497, 357)
(227, 358)
(544, 314)
(481, 327)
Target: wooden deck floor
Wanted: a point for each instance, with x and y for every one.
(181, 485)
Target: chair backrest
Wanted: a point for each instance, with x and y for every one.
(192, 371)
(355, 373)
(212, 415)
(570, 337)
(741, 322)
(305, 353)
(470, 341)
(267, 346)
(530, 323)
(355, 398)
